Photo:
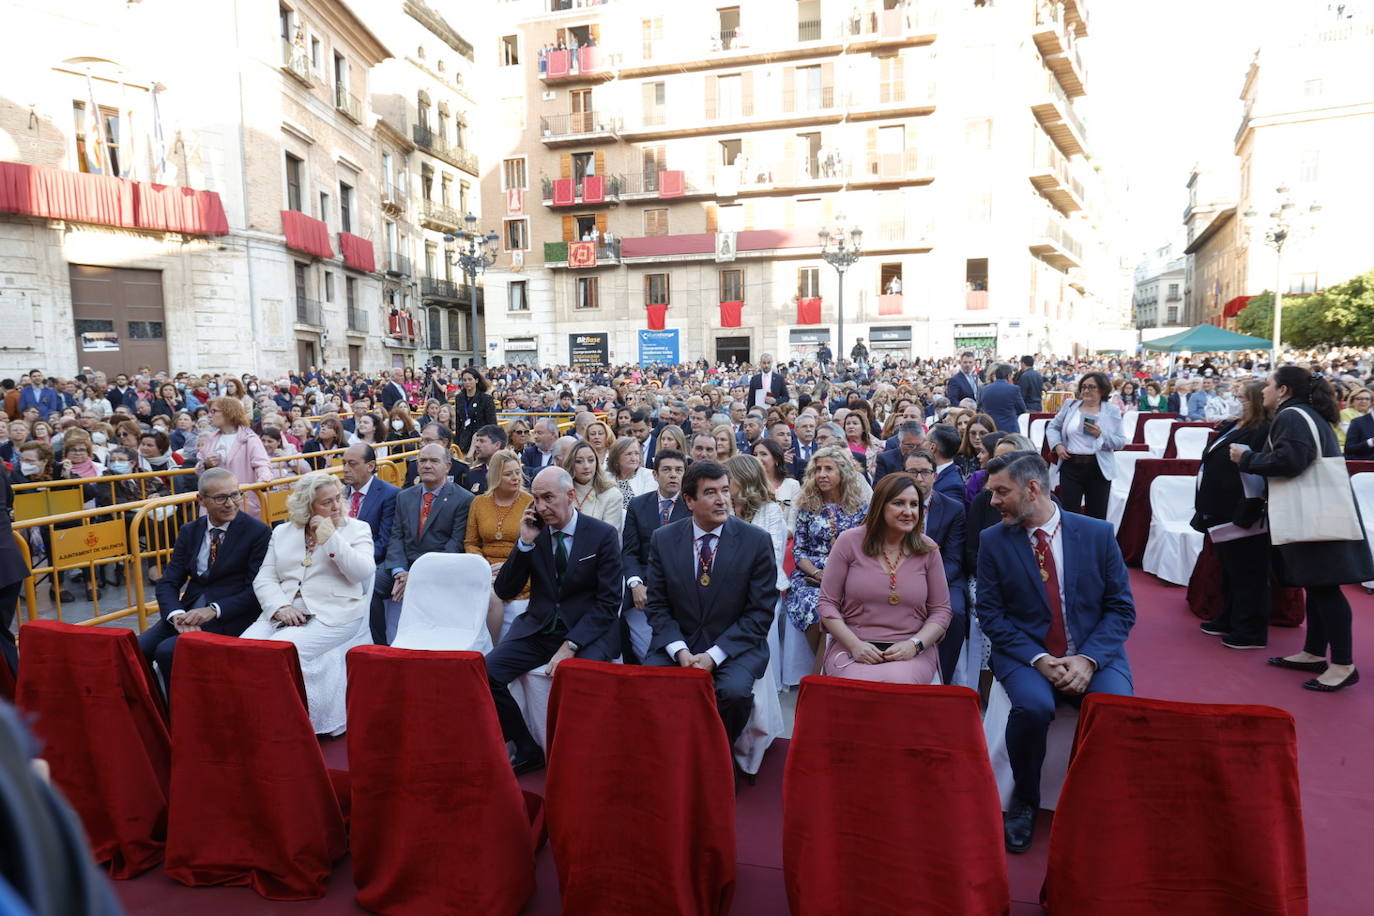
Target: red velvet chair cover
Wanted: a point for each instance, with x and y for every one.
(439, 822)
(101, 719)
(6, 683)
(1135, 519)
(1205, 599)
(1216, 831)
(889, 803)
(640, 791)
(251, 800)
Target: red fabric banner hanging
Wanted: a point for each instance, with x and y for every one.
(809, 311)
(658, 316)
(563, 192)
(393, 323)
(357, 252)
(730, 314)
(594, 189)
(557, 64)
(175, 209)
(581, 254)
(587, 58)
(305, 233)
(410, 326)
(32, 190)
(672, 183)
(1235, 306)
(890, 305)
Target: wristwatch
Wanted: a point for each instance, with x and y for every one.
(920, 646)
(571, 645)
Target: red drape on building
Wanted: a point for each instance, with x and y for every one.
(658, 316)
(581, 254)
(563, 192)
(672, 183)
(34, 190)
(890, 305)
(357, 252)
(809, 311)
(305, 233)
(557, 64)
(410, 326)
(393, 323)
(730, 314)
(1235, 306)
(587, 58)
(593, 189)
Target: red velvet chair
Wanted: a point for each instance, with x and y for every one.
(439, 822)
(103, 725)
(252, 801)
(889, 803)
(640, 791)
(1187, 809)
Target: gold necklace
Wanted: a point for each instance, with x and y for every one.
(500, 522)
(892, 597)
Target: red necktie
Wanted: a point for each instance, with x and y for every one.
(425, 502)
(216, 535)
(1056, 640)
(356, 504)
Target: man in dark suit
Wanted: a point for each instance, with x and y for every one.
(1054, 599)
(430, 517)
(804, 444)
(1032, 385)
(392, 393)
(208, 584)
(712, 592)
(645, 435)
(486, 441)
(943, 442)
(944, 524)
(964, 383)
(768, 386)
(539, 454)
(891, 460)
(646, 514)
(368, 497)
(1002, 400)
(571, 562)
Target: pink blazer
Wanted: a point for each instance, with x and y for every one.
(247, 460)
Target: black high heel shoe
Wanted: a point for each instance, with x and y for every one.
(1351, 680)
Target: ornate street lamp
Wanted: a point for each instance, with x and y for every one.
(474, 254)
(840, 250)
(1285, 224)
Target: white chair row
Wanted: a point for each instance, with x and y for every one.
(1173, 546)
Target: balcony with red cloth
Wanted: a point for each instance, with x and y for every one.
(103, 200)
(305, 233)
(357, 252)
(569, 66)
(570, 192)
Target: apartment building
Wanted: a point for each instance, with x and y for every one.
(197, 205)
(1157, 301)
(429, 175)
(1308, 113)
(664, 170)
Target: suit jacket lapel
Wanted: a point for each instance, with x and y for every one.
(1072, 545)
(1021, 546)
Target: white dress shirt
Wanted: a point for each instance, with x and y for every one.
(673, 648)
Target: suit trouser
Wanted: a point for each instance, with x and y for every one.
(158, 643)
(1328, 624)
(9, 603)
(515, 657)
(1246, 594)
(376, 612)
(952, 643)
(1032, 710)
(1082, 483)
(734, 686)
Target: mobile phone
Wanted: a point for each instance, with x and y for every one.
(536, 520)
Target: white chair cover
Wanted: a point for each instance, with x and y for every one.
(1173, 547)
(1189, 441)
(445, 604)
(1128, 423)
(765, 723)
(531, 692)
(1058, 746)
(1023, 423)
(1121, 485)
(1363, 485)
(1157, 435)
(1037, 432)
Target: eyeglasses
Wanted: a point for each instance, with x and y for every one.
(223, 499)
(1088, 386)
(928, 472)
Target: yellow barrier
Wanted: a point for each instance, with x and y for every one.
(37, 499)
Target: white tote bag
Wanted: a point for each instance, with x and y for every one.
(1317, 505)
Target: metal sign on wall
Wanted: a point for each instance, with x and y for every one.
(589, 349)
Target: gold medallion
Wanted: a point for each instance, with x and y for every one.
(705, 579)
(500, 536)
(1044, 574)
(892, 598)
(309, 559)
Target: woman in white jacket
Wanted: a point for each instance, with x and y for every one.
(314, 586)
(596, 494)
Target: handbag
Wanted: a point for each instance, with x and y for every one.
(1317, 505)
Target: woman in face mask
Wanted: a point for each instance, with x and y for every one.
(100, 442)
(400, 425)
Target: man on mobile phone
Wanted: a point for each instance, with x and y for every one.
(571, 562)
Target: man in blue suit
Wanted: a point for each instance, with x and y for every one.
(1002, 400)
(964, 383)
(369, 498)
(945, 526)
(891, 459)
(646, 514)
(208, 584)
(1054, 599)
(943, 442)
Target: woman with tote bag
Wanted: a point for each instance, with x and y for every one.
(1313, 521)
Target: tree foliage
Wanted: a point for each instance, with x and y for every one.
(1341, 315)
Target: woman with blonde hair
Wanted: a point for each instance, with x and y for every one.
(626, 468)
(231, 443)
(595, 494)
(598, 436)
(314, 587)
(726, 447)
(831, 501)
(672, 437)
(493, 527)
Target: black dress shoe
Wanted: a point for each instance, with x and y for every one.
(1212, 628)
(1018, 826)
(1281, 662)
(1351, 680)
(528, 761)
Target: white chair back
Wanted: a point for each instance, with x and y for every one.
(1363, 485)
(1189, 441)
(1121, 485)
(445, 604)
(1157, 435)
(1171, 497)
(1037, 432)
(1128, 424)
(1023, 423)
(1173, 547)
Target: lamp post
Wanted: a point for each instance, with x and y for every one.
(841, 250)
(1283, 226)
(474, 254)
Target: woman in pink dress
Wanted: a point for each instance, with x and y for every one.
(884, 600)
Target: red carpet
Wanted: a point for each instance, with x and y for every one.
(1171, 660)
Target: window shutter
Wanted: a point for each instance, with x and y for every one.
(565, 165)
(569, 229)
(595, 32)
(789, 89)
(912, 153)
(871, 150)
(898, 78)
(710, 98)
(827, 84)
(712, 218)
(648, 99)
(747, 93)
(600, 162)
(748, 215)
(601, 224)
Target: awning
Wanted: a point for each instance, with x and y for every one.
(35, 190)
(357, 252)
(1235, 306)
(304, 233)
